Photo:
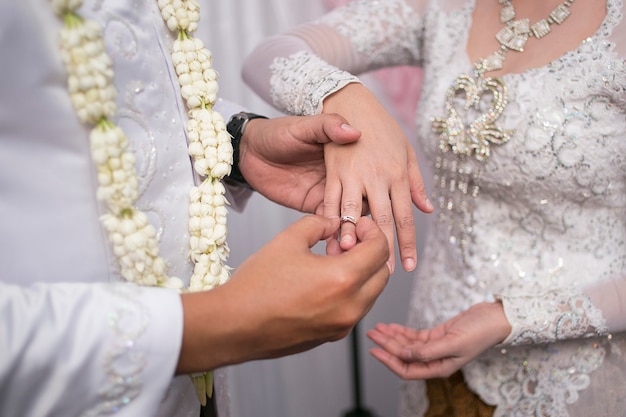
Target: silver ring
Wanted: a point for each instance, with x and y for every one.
(349, 219)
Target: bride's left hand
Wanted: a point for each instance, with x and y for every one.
(444, 349)
(378, 173)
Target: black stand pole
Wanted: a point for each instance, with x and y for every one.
(358, 410)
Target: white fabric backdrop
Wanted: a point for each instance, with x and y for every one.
(316, 383)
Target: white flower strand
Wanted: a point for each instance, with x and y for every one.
(180, 14)
(90, 84)
(90, 73)
(212, 152)
(93, 95)
(209, 145)
(118, 182)
(207, 229)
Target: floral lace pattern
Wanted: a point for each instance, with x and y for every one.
(521, 388)
(557, 315)
(369, 34)
(300, 82)
(550, 217)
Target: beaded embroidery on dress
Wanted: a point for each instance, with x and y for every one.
(549, 215)
(303, 71)
(549, 219)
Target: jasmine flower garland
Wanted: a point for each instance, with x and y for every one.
(93, 94)
(209, 145)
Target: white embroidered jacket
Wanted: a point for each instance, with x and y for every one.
(74, 340)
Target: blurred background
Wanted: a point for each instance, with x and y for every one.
(318, 383)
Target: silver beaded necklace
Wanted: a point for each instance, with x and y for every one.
(475, 138)
(455, 184)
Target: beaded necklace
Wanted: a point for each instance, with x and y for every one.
(455, 179)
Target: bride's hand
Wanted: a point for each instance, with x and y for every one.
(378, 173)
(444, 349)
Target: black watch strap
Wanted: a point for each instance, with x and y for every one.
(236, 127)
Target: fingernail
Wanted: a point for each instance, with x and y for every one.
(429, 204)
(409, 264)
(390, 267)
(348, 128)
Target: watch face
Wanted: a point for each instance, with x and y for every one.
(242, 116)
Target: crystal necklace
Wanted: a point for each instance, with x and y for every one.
(455, 179)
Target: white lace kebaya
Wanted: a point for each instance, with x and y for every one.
(93, 94)
(547, 233)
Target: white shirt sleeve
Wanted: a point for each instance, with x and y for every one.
(66, 348)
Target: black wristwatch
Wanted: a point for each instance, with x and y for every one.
(236, 126)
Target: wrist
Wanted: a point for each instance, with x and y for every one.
(335, 100)
(214, 332)
(236, 127)
(502, 325)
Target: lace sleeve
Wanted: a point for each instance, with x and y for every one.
(296, 70)
(567, 313)
(383, 33)
(302, 81)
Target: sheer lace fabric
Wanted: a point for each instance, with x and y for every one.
(303, 72)
(552, 316)
(546, 232)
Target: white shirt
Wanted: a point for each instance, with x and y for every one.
(73, 339)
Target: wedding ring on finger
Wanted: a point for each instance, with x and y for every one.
(348, 219)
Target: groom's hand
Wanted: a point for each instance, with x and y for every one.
(285, 299)
(283, 158)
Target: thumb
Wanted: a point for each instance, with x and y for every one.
(313, 229)
(338, 130)
(373, 248)
(367, 229)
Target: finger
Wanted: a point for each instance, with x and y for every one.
(332, 195)
(418, 189)
(414, 370)
(314, 228)
(396, 365)
(351, 208)
(409, 333)
(400, 336)
(324, 128)
(371, 252)
(380, 206)
(368, 262)
(434, 350)
(338, 130)
(388, 343)
(405, 225)
(332, 246)
(371, 288)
